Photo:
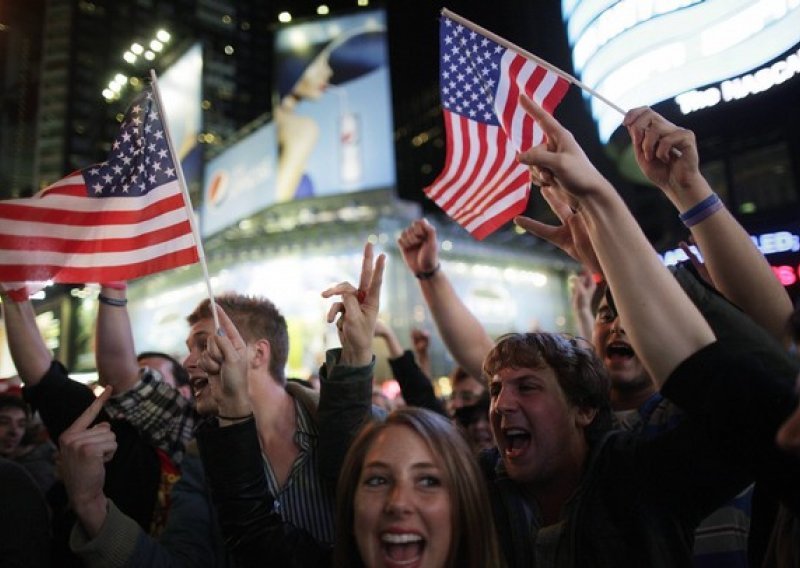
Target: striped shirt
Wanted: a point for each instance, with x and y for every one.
(305, 500)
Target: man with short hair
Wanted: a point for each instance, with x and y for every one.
(567, 491)
(272, 456)
(14, 415)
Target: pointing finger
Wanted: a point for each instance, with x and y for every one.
(90, 414)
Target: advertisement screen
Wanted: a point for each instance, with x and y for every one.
(240, 181)
(181, 88)
(332, 107)
(641, 52)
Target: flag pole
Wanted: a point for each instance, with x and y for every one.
(186, 201)
(528, 55)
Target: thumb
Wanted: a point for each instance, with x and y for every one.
(537, 228)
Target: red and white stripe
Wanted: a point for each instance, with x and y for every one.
(61, 235)
(482, 185)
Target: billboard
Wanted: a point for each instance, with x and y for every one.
(240, 181)
(332, 107)
(181, 88)
(641, 52)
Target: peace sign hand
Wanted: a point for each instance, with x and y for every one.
(359, 310)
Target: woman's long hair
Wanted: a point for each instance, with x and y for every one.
(474, 542)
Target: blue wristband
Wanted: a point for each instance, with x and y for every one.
(701, 211)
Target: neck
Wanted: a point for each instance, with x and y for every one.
(272, 406)
(552, 494)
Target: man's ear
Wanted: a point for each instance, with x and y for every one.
(584, 415)
(260, 354)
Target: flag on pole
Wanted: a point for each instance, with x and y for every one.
(482, 185)
(117, 220)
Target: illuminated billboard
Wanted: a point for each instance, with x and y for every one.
(240, 181)
(181, 88)
(332, 107)
(641, 52)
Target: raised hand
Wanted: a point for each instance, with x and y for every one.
(655, 140)
(420, 340)
(359, 310)
(225, 359)
(571, 236)
(561, 158)
(419, 247)
(84, 450)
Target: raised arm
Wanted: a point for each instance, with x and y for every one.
(462, 333)
(654, 309)
(115, 353)
(31, 356)
(420, 343)
(387, 334)
(582, 288)
(739, 270)
(415, 383)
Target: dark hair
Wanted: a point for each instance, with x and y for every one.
(580, 373)
(351, 54)
(458, 374)
(181, 375)
(255, 318)
(474, 540)
(13, 401)
(600, 292)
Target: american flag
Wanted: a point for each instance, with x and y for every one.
(117, 220)
(482, 185)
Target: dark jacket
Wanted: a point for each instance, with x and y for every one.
(640, 500)
(133, 474)
(254, 532)
(415, 385)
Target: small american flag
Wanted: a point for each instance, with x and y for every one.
(117, 220)
(482, 185)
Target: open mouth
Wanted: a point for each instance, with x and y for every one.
(516, 442)
(402, 549)
(620, 350)
(198, 385)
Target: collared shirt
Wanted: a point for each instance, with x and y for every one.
(305, 500)
(163, 416)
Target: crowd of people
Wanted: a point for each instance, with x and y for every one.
(665, 433)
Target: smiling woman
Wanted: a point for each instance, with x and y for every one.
(411, 494)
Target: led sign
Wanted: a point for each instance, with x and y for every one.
(741, 87)
(780, 242)
(641, 52)
(767, 243)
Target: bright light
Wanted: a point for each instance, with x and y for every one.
(323, 10)
(284, 17)
(163, 36)
(363, 2)
(156, 45)
(149, 55)
(137, 48)
(114, 86)
(228, 50)
(120, 78)
(108, 93)
(129, 57)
